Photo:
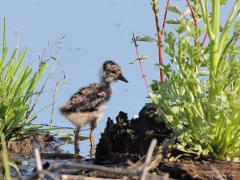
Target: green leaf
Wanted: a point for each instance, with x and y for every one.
(146, 39)
(20, 60)
(139, 59)
(175, 9)
(174, 21)
(237, 27)
(154, 98)
(4, 35)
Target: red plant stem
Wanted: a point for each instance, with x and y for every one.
(140, 64)
(160, 54)
(165, 15)
(159, 35)
(194, 19)
(204, 39)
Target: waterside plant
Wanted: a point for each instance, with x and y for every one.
(200, 95)
(18, 83)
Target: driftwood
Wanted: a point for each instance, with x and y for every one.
(119, 173)
(97, 171)
(116, 172)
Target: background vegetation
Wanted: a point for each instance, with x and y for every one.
(199, 97)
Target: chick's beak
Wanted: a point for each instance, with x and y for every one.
(122, 78)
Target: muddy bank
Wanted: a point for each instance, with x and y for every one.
(126, 139)
(122, 140)
(200, 169)
(44, 142)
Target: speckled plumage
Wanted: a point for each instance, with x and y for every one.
(88, 104)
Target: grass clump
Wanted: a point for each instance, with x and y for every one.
(18, 82)
(200, 96)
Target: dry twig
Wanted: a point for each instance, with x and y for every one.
(148, 158)
(39, 164)
(140, 63)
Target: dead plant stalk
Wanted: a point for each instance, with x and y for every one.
(140, 63)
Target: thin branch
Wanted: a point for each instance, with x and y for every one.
(159, 35)
(53, 104)
(194, 20)
(140, 64)
(39, 164)
(204, 39)
(148, 158)
(165, 16)
(58, 127)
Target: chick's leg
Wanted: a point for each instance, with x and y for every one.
(92, 148)
(76, 142)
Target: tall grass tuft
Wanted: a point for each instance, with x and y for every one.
(18, 83)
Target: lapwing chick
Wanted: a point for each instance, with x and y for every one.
(87, 105)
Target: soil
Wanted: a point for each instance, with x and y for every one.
(44, 142)
(201, 169)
